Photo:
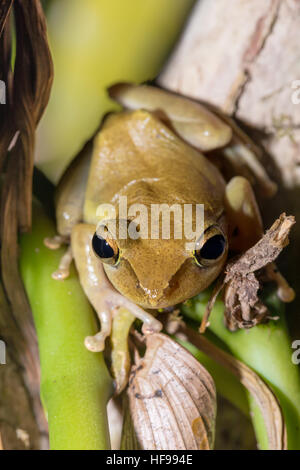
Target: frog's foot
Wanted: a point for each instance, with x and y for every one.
(107, 302)
(203, 127)
(284, 292)
(96, 343)
(53, 243)
(244, 161)
(192, 121)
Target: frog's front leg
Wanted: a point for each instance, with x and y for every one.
(246, 228)
(120, 356)
(105, 299)
(69, 199)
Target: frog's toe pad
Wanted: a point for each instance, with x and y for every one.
(60, 274)
(53, 243)
(95, 343)
(286, 294)
(153, 326)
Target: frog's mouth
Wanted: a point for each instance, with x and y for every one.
(151, 295)
(187, 282)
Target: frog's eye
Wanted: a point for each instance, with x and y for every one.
(212, 247)
(105, 248)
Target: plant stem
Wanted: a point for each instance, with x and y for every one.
(75, 384)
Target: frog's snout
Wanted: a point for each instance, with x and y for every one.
(153, 297)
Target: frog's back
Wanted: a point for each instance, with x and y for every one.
(137, 156)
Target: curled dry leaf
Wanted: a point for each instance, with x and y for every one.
(265, 398)
(243, 308)
(6, 133)
(28, 86)
(16, 410)
(5, 7)
(172, 398)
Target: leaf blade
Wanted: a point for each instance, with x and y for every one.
(172, 398)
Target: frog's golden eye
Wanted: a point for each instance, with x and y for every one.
(106, 248)
(212, 247)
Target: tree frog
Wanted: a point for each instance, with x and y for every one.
(151, 152)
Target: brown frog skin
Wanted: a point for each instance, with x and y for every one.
(150, 153)
(149, 164)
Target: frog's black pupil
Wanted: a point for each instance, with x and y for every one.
(101, 247)
(213, 248)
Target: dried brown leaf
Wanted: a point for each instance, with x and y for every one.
(266, 250)
(265, 398)
(6, 130)
(243, 308)
(28, 89)
(5, 6)
(33, 76)
(16, 409)
(243, 275)
(172, 398)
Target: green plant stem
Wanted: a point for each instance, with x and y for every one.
(267, 350)
(75, 384)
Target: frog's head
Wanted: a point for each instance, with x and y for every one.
(158, 273)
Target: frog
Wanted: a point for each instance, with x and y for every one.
(155, 150)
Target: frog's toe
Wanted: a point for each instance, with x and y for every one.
(150, 323)
(244, 159)
(60, 274)
(53, 243)
(63, 270)
(284, 291)
(154, 326)
(95, 343)
(286, 294)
